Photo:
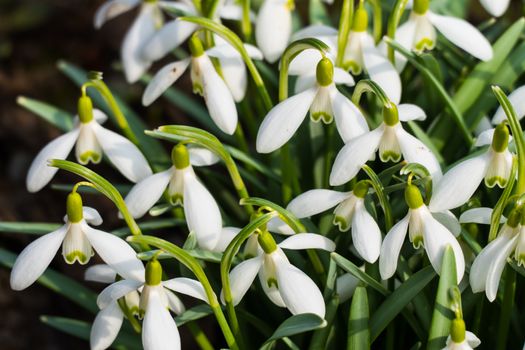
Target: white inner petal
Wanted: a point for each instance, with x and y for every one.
(76, 246)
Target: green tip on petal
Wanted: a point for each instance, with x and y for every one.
(90, 156)
(342, 223)
(77, 255)
(267, 242)
(413, 197)
(85, 109)
(500, 141)
(272, 282)
(180, 156)
(321, 116)
(196, 47)
(361, 189)
(417, 241)
(74, 207)
(360, 23)
(325, 72)
(421, 6)
(458, 331)
(496, 180)
(390, 114)
(153, 272)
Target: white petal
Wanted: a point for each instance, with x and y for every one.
(313, 31)
(458, 184)
(40, 173)
(463, 34)
(273, 28)
(349, 120)
(483, 124)
(187, 286)
(226, 236)
(100, 273)
(343, 77)
(305, 62)
(116, 291)
(315, 201)
(123, 154)
(111, 9)
(436, 237)
(449, 220)
(499, 260)
(283, 120)
(235, 76)
(366, 235)
(174, 303)
(415, 151)
(91, 216)
(308, 241)
(169, 37)
(147, 192)
(277, 225)
(381, 70)
(481, 265)
(35, 258)
(485, 138)
(268, 278)
(354, 155)
(479, 216)
(516, 98)
(106, 327)
(218, 97)
(472, 340)
(115, 252)
(304, 82)
(391, 247)
(405, 35)
(409, 112)
(200, 156)
(242, 276)
(299, 292)
(137, 36)
(159, 331)
(163, 80)
(345, 286)
(202, 212)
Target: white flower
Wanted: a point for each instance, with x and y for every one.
(350, 212)
(488, 266)
(495, 7)
(419, 33)
(284, 284)
(460, 182)
(159, 330)
(391, 140)
(323, 101)
(423, 230)
(345, 285)
(274, 27)
(200, 208)
(516, 99)
(92, 140)
(470, 342)
(78, 241)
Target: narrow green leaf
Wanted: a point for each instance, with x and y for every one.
(193, 314)
(349, 266)
(32, 228)
(502, 202)
(297, 324)
(55, 116)
(358, 329)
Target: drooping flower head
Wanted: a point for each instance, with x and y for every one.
(460, 338)
(274, 27)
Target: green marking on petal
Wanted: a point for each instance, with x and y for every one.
(198, 89)
(496, 180)
(135, 311)
(418, 241)
(353, 67)
(390, 156)
(76, 255)
(177, 200)
(321, 116)
(341, 223)
(272, 281)
(521, 260)
(90, 156)
(425, 44)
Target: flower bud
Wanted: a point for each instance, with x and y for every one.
(196, 48)
(153, 273)
(458, 330)
(361, 189)
(413, 197)
(500, 141)
(74, 207)
(421, 6)
(360, 23)
(267, 242)
(85, 109)
(180, 156)
(325, 72)
(390, 115)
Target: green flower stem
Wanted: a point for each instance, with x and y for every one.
(378, 20)
(367, 85)
(393, 22)
(383, 199)
(502, 201)
(241, 140)
(246, 23)
(200, 337)
(506, 309)
(329, 154)
(345, 23)
(191, 263)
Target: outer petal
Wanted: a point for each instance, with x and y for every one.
(174, 303)
(299, 292)
(516, 98)
(116, 291)
(313, 31)
(349, 120)
(242, 276)
(345, 286)
(479, 216)
(472, 340)
(200, 156)
(111, 9)
(499, 260)
(436, 238)
(485, 137)
(381, 70)
(273, 28)
(308, 241)
(405, 35)
(138, 35)
(159, 331)
(463, 34)
(124, 155)
(449, 220)
(315, 201)
(115, 252)
(202, 212)
(235, 76)
(409, 112)
(106, 327)
(495, 7)
(343, 77)
(283, 120)
(163, 80)
(391, 247)
(458, 184)
(100, 273)
(354, 155)
(277, 225)
(187, 286)
(147, 192)
(91, 216)
(226, 236)
(481, 265)
(366, 235)
(35, 258)
(415, 151)
(169, 37)
(304, 82)
(40, 173)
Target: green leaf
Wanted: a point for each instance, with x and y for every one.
(358, 329)
(294, 325)
(32, 228)
(59, 283)
(349, 266)
(442, 315)
(317, 13)
(502, 202)
(193, 314)
(55, 116)
(399, 299)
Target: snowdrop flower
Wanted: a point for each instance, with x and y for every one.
(78, 241)
(350, 212)
(495, 7)
(159, 330)
(283, 283)
(92, 140)
(273, 27)
(419, 33)
(325, 103)
(516, 98)
(423, 231)
(391, 140)
(200, 208)
(488, 266)
(460, 338)
(460, 182)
